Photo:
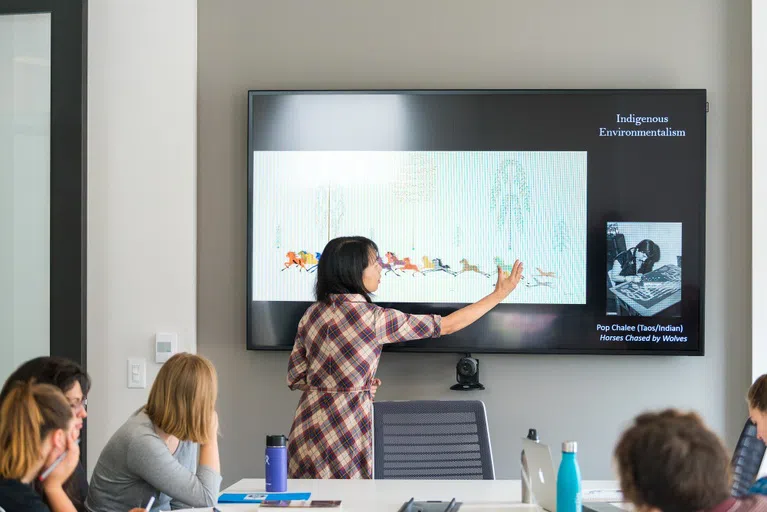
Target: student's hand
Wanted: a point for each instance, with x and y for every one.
(67, 466)
(138, 510)
(374, 387)
(507, 282)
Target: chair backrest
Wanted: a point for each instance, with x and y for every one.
(432, 439)
(746, 459)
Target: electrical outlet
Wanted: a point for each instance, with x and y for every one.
(136, 373)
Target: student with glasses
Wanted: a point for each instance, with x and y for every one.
(70, 378)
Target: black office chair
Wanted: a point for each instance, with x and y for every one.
(746, 460)
(432, 439)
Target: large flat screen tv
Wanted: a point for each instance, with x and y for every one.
(601, 193)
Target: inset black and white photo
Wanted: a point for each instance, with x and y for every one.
(644, 268)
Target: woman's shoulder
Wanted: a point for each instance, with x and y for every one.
(137, 427)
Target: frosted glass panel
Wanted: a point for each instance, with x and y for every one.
(25, 105)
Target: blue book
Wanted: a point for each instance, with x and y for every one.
(258, 497)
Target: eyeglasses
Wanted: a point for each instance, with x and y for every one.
(76, 405)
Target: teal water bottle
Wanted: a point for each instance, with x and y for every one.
(569, 480)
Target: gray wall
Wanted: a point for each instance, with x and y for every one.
(494, 44)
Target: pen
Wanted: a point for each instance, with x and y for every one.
(45, 474)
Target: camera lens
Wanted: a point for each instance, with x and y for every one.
(467, 366)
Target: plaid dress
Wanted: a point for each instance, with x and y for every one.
(334, 361)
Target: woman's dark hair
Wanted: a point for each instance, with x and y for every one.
(57, 371)
(652, 251)
(341, 265)
(61, 373)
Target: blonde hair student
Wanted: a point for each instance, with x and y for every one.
(182, 401)
(37, 431)
(168, 449)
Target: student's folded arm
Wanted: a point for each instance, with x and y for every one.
(149, 458)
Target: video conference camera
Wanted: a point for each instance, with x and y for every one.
(467, 374)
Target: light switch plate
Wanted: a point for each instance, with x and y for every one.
(136, 373)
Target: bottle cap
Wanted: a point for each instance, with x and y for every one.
(570, 447)
(276, 440)
(532, 434)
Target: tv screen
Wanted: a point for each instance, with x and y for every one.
(600, 193)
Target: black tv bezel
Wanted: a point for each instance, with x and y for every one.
(403, 347)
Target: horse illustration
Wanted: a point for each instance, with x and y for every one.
(411, 266)
(538, 283)
(392, 259)
(387, 267)
(428, 266)
(545, 274)
(309, 259)
(441, 267)
(467, 267)
(293, 259)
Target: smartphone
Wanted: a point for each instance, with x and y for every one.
(300, 504)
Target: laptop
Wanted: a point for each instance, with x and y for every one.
(543, 479)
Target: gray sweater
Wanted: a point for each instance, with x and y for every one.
(136, 465)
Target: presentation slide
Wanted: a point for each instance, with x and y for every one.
(443, 221)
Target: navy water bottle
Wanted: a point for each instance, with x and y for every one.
(569, 480)
(276, 464)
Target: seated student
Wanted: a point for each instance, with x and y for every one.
(670, 462)
(632, 263)
(36, 427)
(167, 449)
(757, 411)
(70, 378)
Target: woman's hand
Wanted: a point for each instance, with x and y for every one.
(467, 315)
(67, 466)
(507, 282)
(374, 387)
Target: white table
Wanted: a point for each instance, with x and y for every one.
(389, 495)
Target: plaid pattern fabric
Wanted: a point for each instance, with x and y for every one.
(334, 361)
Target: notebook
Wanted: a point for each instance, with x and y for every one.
(258, 497)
